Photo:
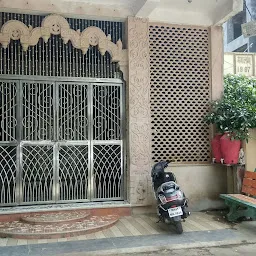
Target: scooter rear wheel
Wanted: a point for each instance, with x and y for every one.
(179, 227)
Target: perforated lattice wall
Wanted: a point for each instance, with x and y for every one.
(180, 92)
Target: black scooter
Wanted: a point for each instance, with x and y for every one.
(171, 201)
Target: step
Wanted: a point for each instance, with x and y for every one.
(55, 217)
(23, 230)
(8, 214)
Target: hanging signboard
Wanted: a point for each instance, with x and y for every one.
(249, 29)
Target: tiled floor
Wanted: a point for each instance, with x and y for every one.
(137, 225)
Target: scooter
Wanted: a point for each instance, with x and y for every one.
(171, 201)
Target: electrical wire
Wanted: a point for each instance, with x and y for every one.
(248, 9)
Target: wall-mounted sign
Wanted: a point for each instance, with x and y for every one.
(244, 64)
(249, 29)
(240, 63)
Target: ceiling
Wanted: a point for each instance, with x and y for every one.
(197, 12)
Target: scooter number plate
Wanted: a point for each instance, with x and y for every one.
(177, 211)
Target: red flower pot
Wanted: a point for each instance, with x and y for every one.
(216, 150)
(230, 149)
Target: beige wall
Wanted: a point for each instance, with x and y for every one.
(216, 53)
(202, 185)
(67, 8)
(250, 152)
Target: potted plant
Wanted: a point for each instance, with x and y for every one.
(233, 115)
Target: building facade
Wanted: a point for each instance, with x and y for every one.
(93, 94)
(234, 41)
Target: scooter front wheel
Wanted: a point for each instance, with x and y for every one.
(178, 226)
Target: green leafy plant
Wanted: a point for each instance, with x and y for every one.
(235, 111)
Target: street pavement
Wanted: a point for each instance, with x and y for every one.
(231, 250)
(138, 244)
(231, 240)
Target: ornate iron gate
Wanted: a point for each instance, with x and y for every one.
(61, 141)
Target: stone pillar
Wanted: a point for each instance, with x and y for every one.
(140, 192)
(217, 60)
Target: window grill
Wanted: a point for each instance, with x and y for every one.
(180, 92)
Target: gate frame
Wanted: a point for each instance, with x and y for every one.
(90, 142)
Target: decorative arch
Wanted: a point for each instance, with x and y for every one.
(57, 25)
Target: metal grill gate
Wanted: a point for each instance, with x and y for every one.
(61, 141)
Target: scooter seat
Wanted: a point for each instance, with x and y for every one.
(170, 185)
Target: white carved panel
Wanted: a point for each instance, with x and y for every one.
(57, 25)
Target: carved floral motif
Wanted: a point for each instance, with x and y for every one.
(139, 111)
(140, 144)
(139, 91)
(141, 190)
(139, 68)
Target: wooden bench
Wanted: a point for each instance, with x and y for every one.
(242, 205)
